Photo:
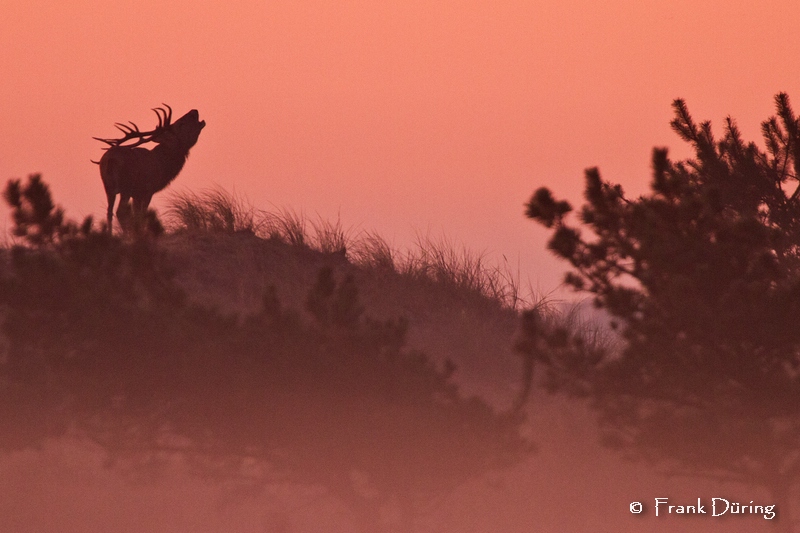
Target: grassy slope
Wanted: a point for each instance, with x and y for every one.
(233, 271)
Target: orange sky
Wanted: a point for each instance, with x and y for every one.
(404, 117)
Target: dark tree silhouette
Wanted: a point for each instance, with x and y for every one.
(103, 343)
(702, 276)
(36, 219)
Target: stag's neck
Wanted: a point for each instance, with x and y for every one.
(172, 160)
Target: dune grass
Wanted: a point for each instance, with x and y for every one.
(439, 261)
(213, 210)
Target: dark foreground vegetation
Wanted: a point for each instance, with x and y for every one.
(103, 344)
(702, 276)
(176, 345)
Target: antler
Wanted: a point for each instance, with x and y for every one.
(132, 132)
(165, 123)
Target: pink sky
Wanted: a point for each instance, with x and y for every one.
(434, 117)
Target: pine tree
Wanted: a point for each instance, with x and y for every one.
(702, 276)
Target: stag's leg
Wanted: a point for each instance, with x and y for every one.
(146, 203)
(124, 209)
(140, 207)
(110, 214)
(138, 219)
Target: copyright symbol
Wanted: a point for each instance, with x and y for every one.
(636, 507)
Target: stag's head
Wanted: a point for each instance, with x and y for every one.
(183, 133)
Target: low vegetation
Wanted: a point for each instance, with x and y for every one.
(105, 344)
(437, 261)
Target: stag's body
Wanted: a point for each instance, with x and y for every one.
(138, 173)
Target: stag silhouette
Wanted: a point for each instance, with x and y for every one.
(137, 173)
